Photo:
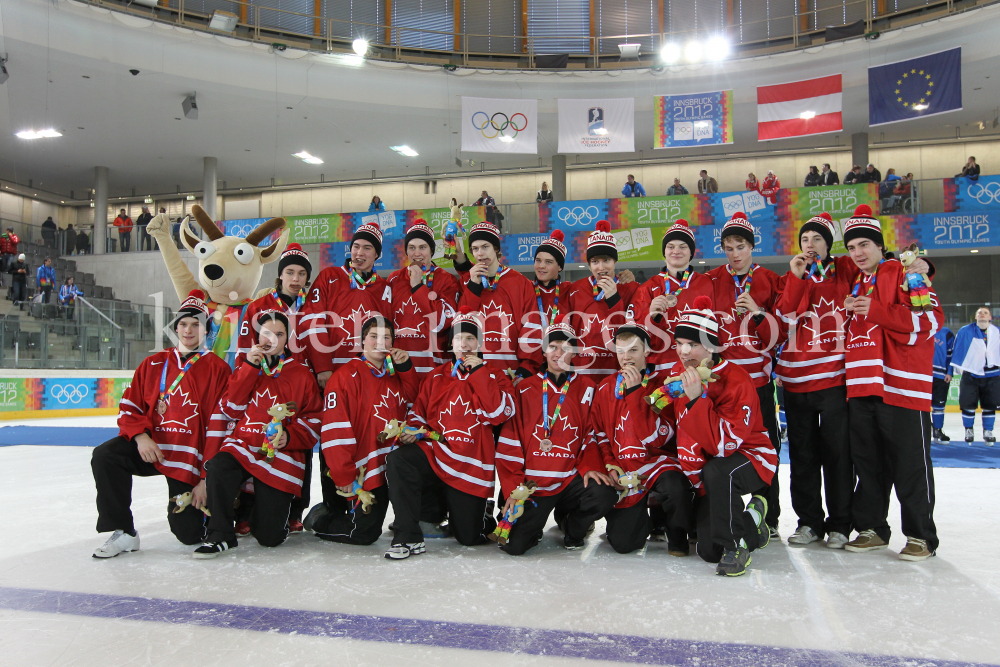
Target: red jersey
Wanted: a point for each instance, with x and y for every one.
(463, 410)
(422, 323)
(270, 301)
(552, 300)
(747, 342)
(180, 432)
(661, 327)
(331, 320)
(890, 352)
(251, 393)
(519, 456)
(512, 336)
(595, 322)
(358, 406)
(630, 435)
(727, 420)
(811, 310)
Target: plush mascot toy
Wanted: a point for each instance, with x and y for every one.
(229, 269)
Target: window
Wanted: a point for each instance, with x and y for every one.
(559, 26)
(487, 21)
(354, 19)
(627, 17)
(421, 15)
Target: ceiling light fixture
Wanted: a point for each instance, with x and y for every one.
(807, 115)
(694, 51)
(717, 47)
(670, 53)
(974, 250)
(360, 46)
(190, 107)
(407, 151)
(40, 134)
(223, 21)
(307, 158)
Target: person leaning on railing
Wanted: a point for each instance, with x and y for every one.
(67, 297)
(970, 170)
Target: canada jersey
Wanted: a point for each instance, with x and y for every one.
(596, 321)
(248, 336)
(551, 301)
(512, 329)
(661, 327)
(421, 322)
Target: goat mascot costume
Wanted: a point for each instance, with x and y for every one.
(229, 269)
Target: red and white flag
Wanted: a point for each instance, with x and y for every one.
(800, 108)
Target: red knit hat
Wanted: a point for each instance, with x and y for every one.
(822, 224)
(193, 306)
(484, 231)
(419, 230)
(602, 242)
(294, 254)
(469, 321)
(697, 322)
(738, 225)
(679, 231)
(863, 225)
(554, 246)
(371, 232)
(560, 329)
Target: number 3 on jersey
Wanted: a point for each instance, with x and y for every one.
(746, 416)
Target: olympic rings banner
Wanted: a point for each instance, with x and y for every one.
(964, 194)
(31, 395)
(597, 126)
(499, 126)
(693, 120)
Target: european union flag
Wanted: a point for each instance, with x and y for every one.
(915, 88)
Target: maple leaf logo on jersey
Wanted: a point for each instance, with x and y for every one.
(412, 316)
(390, 402)
(497, 320)
(732, 324)
(856, 337)
(570, 434)
(831, 322)
(351, 324)
(409, 302)
(261, 403)
(459, 416)
(625, 435)
(180, 410)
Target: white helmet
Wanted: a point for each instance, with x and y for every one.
(21, 257)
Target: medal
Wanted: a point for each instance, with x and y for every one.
(849, 303)
(671, 300)
(432, 296)
(161, 406)
(545, 445)
(682, 283)
(740, 310)
(743, 288)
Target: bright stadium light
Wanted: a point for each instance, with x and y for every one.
(717, 47)
(670, 53)
(40, 134)
(405, 150)
(694, 51)
(307, 158)
(360, 46)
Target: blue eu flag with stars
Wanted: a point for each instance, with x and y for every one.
(909, 89)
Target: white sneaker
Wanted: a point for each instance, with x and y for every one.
(836, 541)
(401, 551)
(802, 536)
(120, 542)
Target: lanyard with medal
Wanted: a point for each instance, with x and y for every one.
(682, 285)
(593, 286)
(546, 443)
(358, 282)
(267, 370)
(541, 308)
(818, 268)
(620, 384)
(387, 367)
(849, 301)
(165, 394)
(300, 298)
(491, 284)
(428, 279)
(741, 288)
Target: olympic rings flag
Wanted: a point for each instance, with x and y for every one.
(499, 126)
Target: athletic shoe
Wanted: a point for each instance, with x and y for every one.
(679, 549)
(802, 536)
(915, 550)
(243, 529)
(867, 540)
(942, 438)
(318, 510)
(120, 542)
(573, 545)
(772, 533)
(658, 535)
(401, 551)
(295, 526)
(214, 549)
(836, 540)
(759, 505)
(734, 563)
(989, 438)
(969, 436)
(435, 530)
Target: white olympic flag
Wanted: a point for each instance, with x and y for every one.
(499, 126)
(597, 126)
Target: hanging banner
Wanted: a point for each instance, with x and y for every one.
(915, 88)
(693, 120)
(965, 194)
(597, 126)
(62, 396)
(492, 125)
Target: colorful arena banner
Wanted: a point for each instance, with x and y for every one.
(940, 231)
(306, 229)
(964, 194)
(55, 396)
(693, 120)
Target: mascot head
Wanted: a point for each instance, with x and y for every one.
(229, 268)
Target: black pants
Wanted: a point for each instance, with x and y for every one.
(628, 527)
(46, 293)
(18, 290)
(411, 478)
(721, 515)
(671, 505)
(891, 446)
(113, 464)
(819, 449)
(579, 505)
(300, 505)
(126, 240)
(765, 395)
(145, 240)
(347, 527)
(974, 392)
(269, 516)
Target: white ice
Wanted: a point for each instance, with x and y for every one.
(945, 608)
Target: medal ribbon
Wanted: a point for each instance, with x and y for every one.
(266, 370)
(387, 367)
(620, 385)
(871, 288)
(593, 287)
(546, 422)
(745, 286)
(357, 282)
(458, 369)
(294, 308)
(428, 277)
(164, 392)
(491, 283)
(823, 271)
(683, 282)
(541, 308)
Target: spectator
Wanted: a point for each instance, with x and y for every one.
(769, 187)
(176, 231)
(753, 184)
(853, 176)
(902, 192)
(124, 225)
(707, 184)
(492, 214)
(970, 170)
(45, 279)
(544, 194)
(828, 176)
(67, 297)
(145, 240)
(376, 205)
(19, 280)
(676, 188)
(812, 178)
(8, 248)
(886, 188)
(82, 243)
(70, 239)
(871, 175)
(633, 188)
(49, 228)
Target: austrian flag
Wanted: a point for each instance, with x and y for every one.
(800, 108)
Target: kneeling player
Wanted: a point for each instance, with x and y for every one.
(162, 422)
(459, 404)
(722, 444)
(362, 398)
(544, 444)
(268, 386)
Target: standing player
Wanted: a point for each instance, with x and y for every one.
(977, 355)
(889, 378)
(545, 443)
(425, 297)
(552, 295)
(362, 398)
(459, 405)
(511, 332)
(162, 421)
(944, 347)
(600, 304)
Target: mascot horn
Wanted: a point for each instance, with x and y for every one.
(229, 270)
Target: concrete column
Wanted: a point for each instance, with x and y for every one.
(100, 210)
(209, 190)
(859, 149)
(559, 177)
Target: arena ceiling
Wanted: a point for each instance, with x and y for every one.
(70, 68)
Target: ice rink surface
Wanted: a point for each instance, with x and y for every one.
(310, 602)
